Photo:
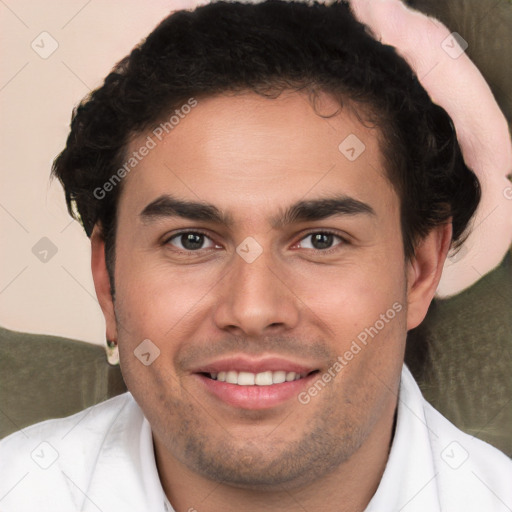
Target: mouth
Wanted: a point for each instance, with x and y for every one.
(265, 378)
(254, 385)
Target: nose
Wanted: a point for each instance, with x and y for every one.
(256, 298)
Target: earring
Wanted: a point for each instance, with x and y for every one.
(112, 352)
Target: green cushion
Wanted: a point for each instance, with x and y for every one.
(461, 356)
(43, 377)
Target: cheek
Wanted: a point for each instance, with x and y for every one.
(353, 297)
(155, 300)
(364, 307)
(151, 309)
(365, 313)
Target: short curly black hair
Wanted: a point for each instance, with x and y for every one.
(268, 48)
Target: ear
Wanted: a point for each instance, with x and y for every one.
(101, 281)
(424, 272)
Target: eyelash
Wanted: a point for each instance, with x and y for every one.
(344, 241)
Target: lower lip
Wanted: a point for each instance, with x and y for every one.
(255, 397)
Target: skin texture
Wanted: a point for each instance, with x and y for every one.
(252, 157)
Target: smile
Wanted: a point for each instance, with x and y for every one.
(254, 385)
(266, 378)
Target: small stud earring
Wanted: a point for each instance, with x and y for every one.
(112, 352)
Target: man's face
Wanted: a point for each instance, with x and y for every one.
(256, 295)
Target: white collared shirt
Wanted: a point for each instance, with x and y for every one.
(102, 459)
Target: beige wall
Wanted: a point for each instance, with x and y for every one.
(36, 99)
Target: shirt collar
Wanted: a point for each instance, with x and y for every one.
(409, 480)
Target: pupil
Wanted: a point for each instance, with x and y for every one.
(322, 240)
(192, 240)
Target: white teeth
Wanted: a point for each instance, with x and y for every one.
(245, 379)
(290, 376)
(263, 379)
(232, 377)
(256, 379)
(279, 377)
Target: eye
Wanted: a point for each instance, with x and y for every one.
(321, 241)
(190, 241)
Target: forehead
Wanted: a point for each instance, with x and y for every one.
(250, 155)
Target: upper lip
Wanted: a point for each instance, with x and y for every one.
(245, 364)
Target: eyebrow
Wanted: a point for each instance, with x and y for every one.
(167, 206)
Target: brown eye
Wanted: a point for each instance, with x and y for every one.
(320, 240)
(189, 241)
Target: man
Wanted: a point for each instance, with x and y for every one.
(270, 196)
